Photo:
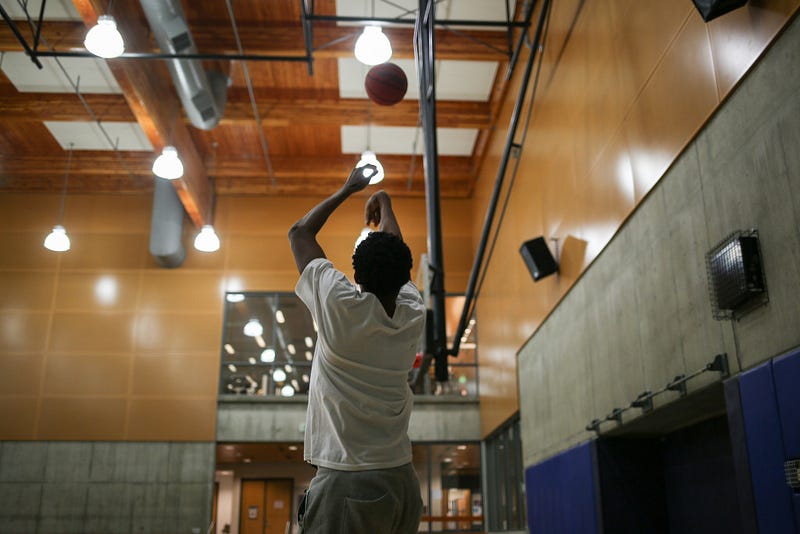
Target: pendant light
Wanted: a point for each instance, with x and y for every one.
(373, 47)
(207, 240)
(253, 328)
(168, 165)
(57, 240)
(104, 39)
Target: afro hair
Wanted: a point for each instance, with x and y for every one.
(382, 263)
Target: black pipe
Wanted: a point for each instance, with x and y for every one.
(487, 224)
(13, 26)
(158, 55)
(389, 20)
(307, 34)
(427, 96)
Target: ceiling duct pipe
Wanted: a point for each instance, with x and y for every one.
(203, 94)
(166, 226)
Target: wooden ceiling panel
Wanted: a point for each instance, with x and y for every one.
(26, 138)
(282, 75)
(303, 139)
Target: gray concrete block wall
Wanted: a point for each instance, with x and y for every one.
(105, 487)
(641, 313)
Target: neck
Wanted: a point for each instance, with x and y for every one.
(388, 305)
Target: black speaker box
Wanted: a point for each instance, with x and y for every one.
(538, 258)
(711, 9)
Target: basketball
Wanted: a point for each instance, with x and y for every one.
(386, 84)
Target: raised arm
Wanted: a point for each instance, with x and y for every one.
(378, 211)
(303, 233)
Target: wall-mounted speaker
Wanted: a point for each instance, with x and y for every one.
(711, 9)
(538, 258)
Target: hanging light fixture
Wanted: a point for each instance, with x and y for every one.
(253, 328)
(57, 240)
(104, 40)
(207, 240)
(168, 165)
(373, 47)
(369, 157)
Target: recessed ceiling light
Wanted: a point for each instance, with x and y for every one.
(234, 297)
(309, 342)
(291, 349)
(268, 356)
(279, 317)
(309, 355)
(292, 447)
(229, 348)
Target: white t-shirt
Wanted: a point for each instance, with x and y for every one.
(359, 401)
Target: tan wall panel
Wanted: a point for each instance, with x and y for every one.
(89, 418)
(20, 215)
(18, 416)
(105, 251)
(172, 420)
(26, 290)
(87, 331)
(669, 111)
(20, 374)
(196, 260)
(269, 252)
(178, 333)
(23, 331)
(120, 214)
(102, 290)
(25, 250)
(180, 290)
(740, 37)
(176, 375)
(84, 374)
(236, 280)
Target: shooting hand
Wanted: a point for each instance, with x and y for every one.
(357, 179)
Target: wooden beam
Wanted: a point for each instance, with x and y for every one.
(278, 109)
(279, 39)
(154, 104)
(95, 172)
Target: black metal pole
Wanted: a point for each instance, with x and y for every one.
(158, 55)
(308, 38)
(389, 20)
(13, 26)
(424, 31)
(487, 223)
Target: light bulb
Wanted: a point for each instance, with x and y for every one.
(373, 47)
(104, 39)
(57, 240)
(253, 328)
(207, 240)
(368, 156)
(279, 375)
(168, 165)
(287, 391)
(268, 356)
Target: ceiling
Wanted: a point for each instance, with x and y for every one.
(314, 126)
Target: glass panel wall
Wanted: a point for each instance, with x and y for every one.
(505, 505)
(268, 345)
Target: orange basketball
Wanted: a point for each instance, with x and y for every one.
(386, 84)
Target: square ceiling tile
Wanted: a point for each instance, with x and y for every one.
(455, 80)
(406, 140)
(53, 10)
(482, 10)
(92, 75)
(88, 135)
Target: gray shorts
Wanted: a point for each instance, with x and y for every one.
(379, 501)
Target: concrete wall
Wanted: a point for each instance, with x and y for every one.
(641, 313)
(105, 487)
(279, 420)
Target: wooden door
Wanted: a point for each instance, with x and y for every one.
(266, 506)
(251, 515)
(279, 505)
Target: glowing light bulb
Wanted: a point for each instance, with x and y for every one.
(373, 47)
(57, 240)
(168, 165)
(104, 40)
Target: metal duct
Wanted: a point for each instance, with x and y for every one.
(203, 94)
(166, 227)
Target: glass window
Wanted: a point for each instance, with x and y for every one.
(505, 506)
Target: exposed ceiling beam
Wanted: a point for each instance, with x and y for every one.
(283, 39)
(273, 111)
(154, 104)
(97, 172)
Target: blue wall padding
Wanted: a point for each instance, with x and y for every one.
(773, 498)
(561, 493)
(786, 373)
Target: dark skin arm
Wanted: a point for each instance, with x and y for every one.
(379, 212)
(303, 234)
